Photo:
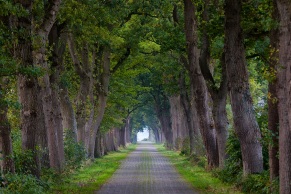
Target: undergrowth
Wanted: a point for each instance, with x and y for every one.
(196, 174)
(79, 173)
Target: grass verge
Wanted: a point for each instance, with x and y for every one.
(90, 178)
(197, 176)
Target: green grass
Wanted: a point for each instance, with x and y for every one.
(91, 177)
(199, 178)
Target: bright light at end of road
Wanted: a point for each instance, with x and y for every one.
(142, 135)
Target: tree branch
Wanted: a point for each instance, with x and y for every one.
(50, 15)
(121, 60)
(73, 53)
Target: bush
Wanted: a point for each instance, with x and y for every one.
(178, 143)
(75, 152)
(185, 150)
(23, 184)
(24, 162)
(233, 172)
(259, 184)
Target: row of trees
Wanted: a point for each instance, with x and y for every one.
(99, 71)
(223, 46)
(54, 53)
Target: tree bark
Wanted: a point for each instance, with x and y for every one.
(178, 120)
(27, 86)
(163, 114)
(99, 145)
(273, 115)
(7, 163)
(84, 71)
(219, 114)
(199, 86)
(128, 129)
(283, 94)
(156, 133)
(245, 122)
(122, 133)
(218, 95)
(190, 113)
(51, 105)
(68, 114)
(102, 99)
(58, 41)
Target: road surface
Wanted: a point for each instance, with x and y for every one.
(146, 171)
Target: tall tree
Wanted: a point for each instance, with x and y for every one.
(245, 122)
(273, 115)
(199, 85)
(28, 87)
(283, 93)
(7, 163)
(218, 94)
(84, 70)
(102, 93)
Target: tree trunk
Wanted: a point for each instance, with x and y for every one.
(51, 106)
(174, 111)
(58, 40)
(84, 71)
(102, 99)
(7, 163)
(99, 145)
(219, 114)
(199, 87)
(221, 122)
(128, 129)
(27, 86)
(41, 135)
(283, 94)
(156, 133)
(245, 122)
(163, 114)
(191, 116)
(273, 115)
(218, 95)
(122, 134)
(68, 114)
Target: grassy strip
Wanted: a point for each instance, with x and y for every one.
(92, 177)
(197, 176)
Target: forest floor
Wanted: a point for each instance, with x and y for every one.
(145, 171)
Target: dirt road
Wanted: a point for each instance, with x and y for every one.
(145, 171)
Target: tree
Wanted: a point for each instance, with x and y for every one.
(245, 124)
(28, 87)
(7, 163)
(273, 116)
(199, 85)
(283, 93)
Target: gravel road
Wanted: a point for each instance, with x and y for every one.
(146, 171)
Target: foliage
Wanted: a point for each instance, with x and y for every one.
(23, 159)
(259, 184)
(75, 153)
(185, 150)
(23, 184)
(233, 173)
